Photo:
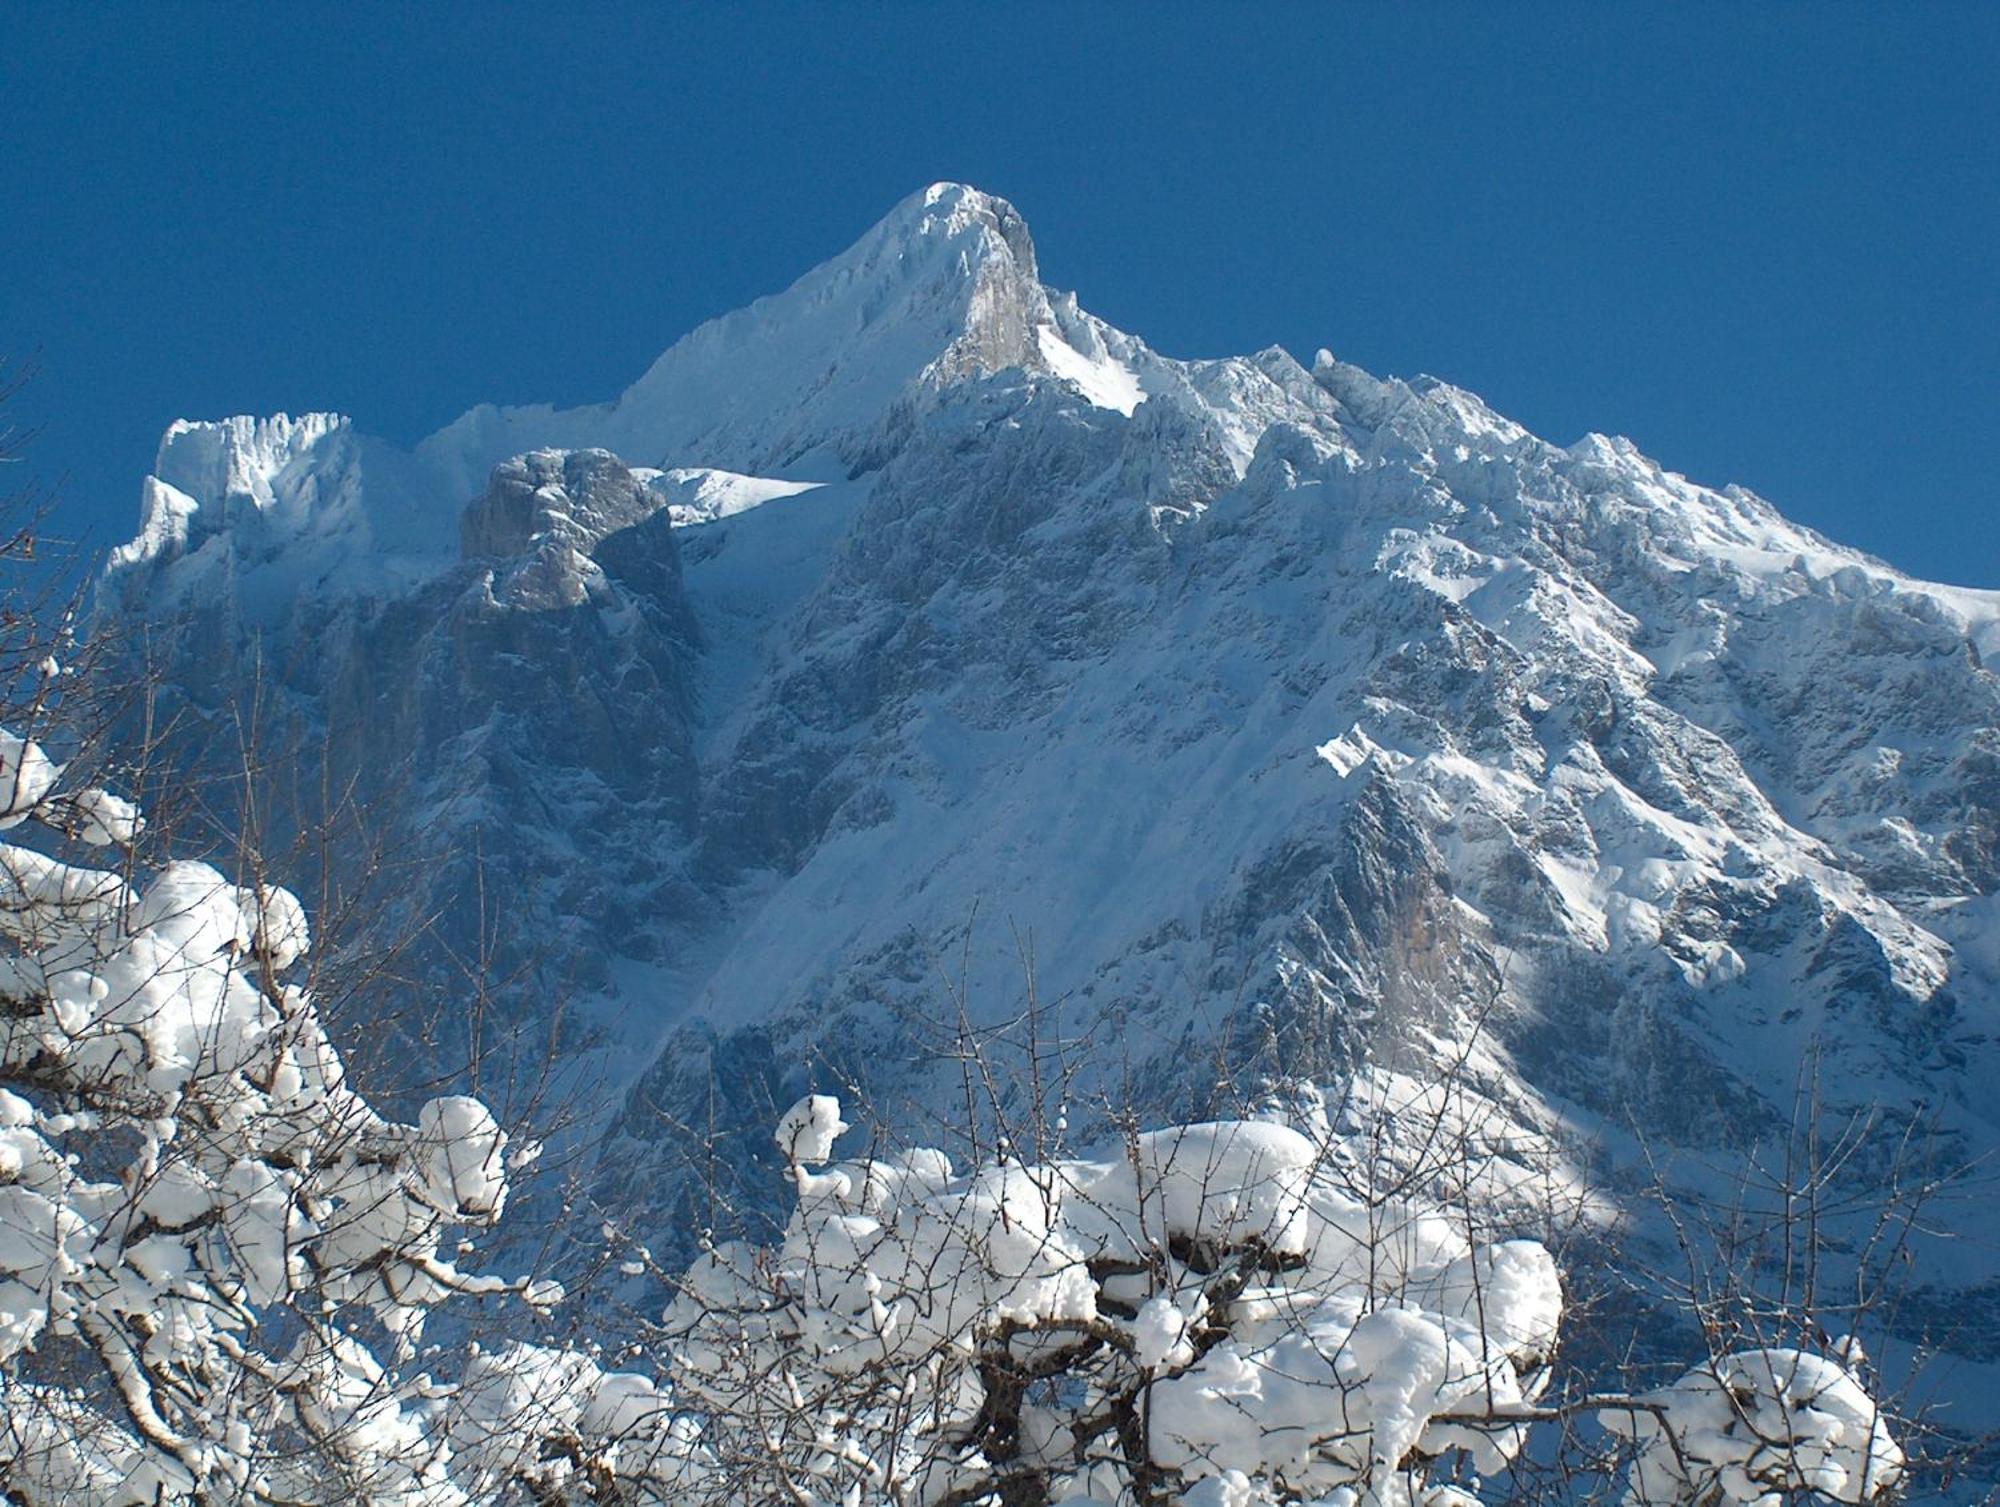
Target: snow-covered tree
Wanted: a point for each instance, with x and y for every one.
(1208, 1318)
(212, 1249)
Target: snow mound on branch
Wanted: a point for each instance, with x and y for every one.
(107, 820)
(26, 775)
(810, 1127)
(1229, 1184)
(465, 1148)
(1758, 1426)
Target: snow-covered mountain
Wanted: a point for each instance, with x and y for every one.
(912, 623)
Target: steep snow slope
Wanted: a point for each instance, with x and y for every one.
(1290, 719)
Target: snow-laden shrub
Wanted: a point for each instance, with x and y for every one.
(1207, 1318)
(216, 1258)
(1759, 1426)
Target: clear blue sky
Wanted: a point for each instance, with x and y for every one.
(1760, 240)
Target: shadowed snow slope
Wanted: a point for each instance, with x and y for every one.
(1295, 719)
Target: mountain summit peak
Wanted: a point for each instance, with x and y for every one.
(944, 286)
(953, 211)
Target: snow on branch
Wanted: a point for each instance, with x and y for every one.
(215, 1256)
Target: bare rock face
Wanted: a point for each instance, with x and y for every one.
(1301, 732)
(1006, 304)
(573, 497)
